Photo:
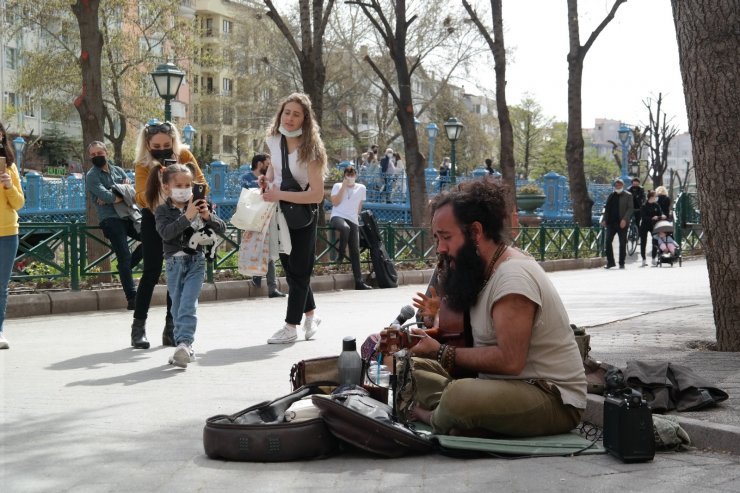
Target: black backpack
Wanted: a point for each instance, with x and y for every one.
(385, 272)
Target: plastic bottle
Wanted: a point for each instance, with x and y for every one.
(350, 363)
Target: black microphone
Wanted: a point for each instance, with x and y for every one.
(406, 313)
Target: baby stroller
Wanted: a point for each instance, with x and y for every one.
(665, 257)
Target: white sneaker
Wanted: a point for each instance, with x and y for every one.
(310, 326)
(4, 342)
(184, 354)
(286, 335)
(644, 263)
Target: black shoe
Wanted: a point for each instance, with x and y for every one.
(277, 294)
(361, 285)
(609, 266)
(131, 303)
(621, 266)
(138, 335)
(257, 281)
(168, 334)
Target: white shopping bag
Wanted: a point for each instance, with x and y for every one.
(254, 252)
(252, 211)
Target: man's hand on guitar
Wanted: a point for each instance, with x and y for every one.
(426, 346)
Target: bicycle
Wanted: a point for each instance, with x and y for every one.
(633, 236)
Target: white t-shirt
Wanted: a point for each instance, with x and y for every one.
(350, 204)
(298, 169)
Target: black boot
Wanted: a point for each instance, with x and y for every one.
(138, 334)
(168, 334)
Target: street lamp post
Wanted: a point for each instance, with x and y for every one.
(454, 128)
(167, 79)
(188, 133)
(432, 132)
(19, 143)
(625, 137)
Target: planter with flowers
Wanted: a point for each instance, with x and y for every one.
(529, 198)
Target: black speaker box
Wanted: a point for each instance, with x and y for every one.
(628, 427)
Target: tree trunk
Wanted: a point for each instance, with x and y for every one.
(506, 155)
(708, 47)
(582, 202)
(89, 103)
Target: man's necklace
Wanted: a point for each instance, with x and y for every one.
(496, 255)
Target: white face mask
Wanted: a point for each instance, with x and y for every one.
(619, 190)
(288, 133)
(181, 195)
(351, 180)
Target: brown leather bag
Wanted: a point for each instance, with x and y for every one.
(271, 432)
(316, 371)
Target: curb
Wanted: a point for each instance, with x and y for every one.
(58, 302)
(704, 434)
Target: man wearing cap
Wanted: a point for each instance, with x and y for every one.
(616, 219)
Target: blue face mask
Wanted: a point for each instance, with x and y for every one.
(288, 133)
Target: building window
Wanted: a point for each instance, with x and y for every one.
(228, 147)
(209, 85)
(228, 115)
(364, 119)
(10, 57)
(227, 86)
(10, 100)
(196, 84)
(227, 27)
(209, 143)
(209, 27)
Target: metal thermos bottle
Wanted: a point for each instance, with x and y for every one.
(350, 363)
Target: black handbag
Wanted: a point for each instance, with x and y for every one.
(297, 216)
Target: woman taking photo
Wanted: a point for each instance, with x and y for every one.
(157, 143)
(294, 135)
(11, 200)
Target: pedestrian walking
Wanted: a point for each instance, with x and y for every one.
(616, 220)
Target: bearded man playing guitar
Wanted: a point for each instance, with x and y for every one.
(530, 377)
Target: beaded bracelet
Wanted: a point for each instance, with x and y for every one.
(440, 353)
(449, 358)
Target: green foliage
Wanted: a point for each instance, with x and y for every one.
(58, 148)
(530, 189)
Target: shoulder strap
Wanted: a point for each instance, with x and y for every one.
(287, 174)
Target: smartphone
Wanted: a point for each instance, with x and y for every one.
(167, 162)
(199, 191)
(3, 164)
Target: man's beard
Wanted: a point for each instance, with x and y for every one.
(462, 283)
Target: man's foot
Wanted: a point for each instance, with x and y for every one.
(184, 354)
(609, 266)
(276, 293)
(138, 334)
(361, 285)
(621, 266)
(310, 326)
(286, 335)
(4, 342)
(418, 413)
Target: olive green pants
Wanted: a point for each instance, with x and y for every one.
(507, 407)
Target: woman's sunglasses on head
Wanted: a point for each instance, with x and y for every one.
(157, 128)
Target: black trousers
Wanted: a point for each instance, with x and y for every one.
(349, 233)
(298, 268)
(644, 233)
(611, 230)
(118, 231)
(153, 256)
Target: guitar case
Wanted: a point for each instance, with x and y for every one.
(285, 429)
(385, 272)
(355, 418)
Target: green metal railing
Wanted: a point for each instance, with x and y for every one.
(61, 250)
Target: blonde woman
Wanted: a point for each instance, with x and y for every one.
(11, 201)
(294, 128)
(664, 201)
(157, 144)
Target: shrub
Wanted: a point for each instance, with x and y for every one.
(530, 189)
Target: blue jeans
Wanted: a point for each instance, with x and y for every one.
(118, 230)
(8, 250)
(184, 282)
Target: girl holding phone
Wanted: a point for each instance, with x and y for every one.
(11, 200)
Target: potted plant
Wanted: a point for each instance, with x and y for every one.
(530, 197)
